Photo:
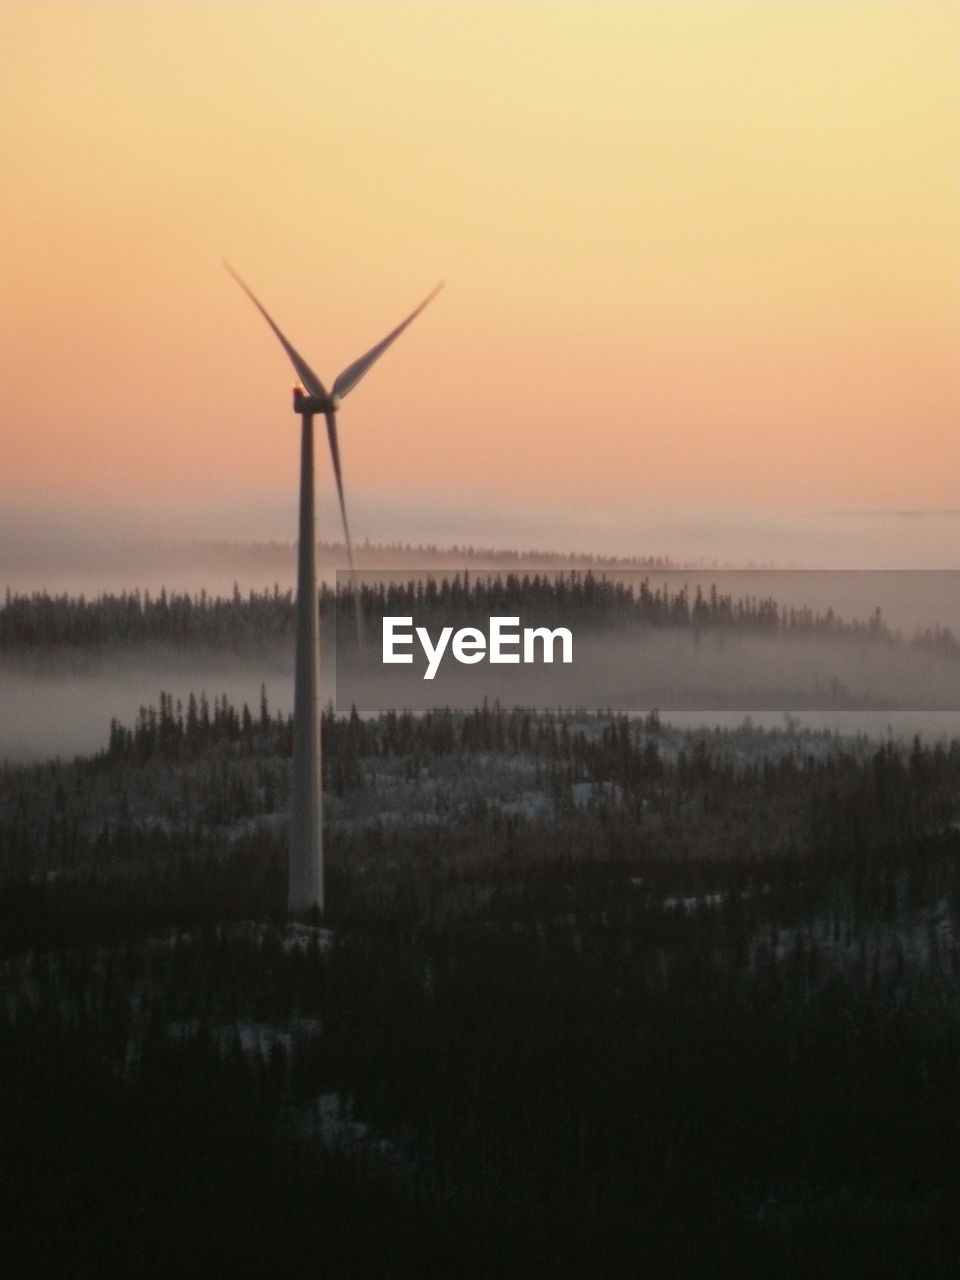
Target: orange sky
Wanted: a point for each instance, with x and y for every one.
(694, 253)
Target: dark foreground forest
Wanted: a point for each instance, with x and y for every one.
(592, 997)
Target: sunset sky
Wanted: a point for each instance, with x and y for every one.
(697, 257)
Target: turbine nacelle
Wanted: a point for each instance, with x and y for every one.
(304, 403)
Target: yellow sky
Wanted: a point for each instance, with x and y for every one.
(694, 253)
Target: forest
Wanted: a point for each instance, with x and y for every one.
(593, 996)
(38, 623)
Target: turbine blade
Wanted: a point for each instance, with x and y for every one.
(306, 375)
(352, 374)
(331, 418)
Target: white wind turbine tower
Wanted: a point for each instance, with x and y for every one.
(305, 889)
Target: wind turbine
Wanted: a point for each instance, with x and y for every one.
(305, 885)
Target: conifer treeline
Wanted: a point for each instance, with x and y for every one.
(835, 802)
(191, 781)
(259, 619)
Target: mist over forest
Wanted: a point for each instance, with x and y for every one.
(721, 645)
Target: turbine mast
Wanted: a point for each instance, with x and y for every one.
(306, 815)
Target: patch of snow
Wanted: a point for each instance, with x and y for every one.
(529, 804)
